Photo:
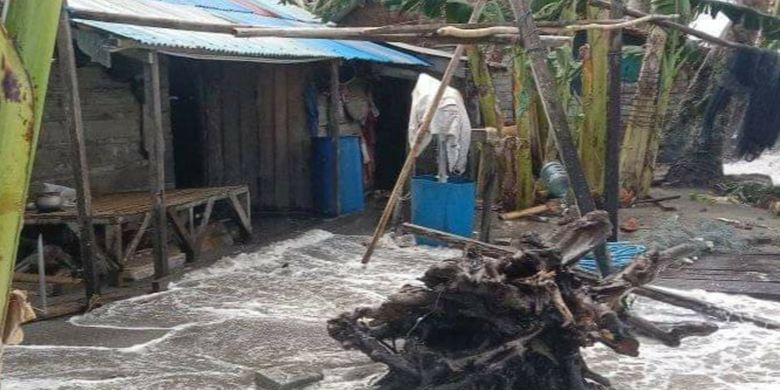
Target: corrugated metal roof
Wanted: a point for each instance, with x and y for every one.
(350, 50)
(284, 10)
(148, 8)
(226, 43)
(224, 5)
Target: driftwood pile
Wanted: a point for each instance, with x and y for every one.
(509, 322)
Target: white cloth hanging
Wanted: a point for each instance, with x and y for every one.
(450, 120)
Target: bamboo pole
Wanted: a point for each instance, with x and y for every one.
(614, 125)
(443, 35)
(151, 21)
(621, 25)
(384, 33)
(71, 107)
(556, 115)
(677, 26)
(421, 132)
(32, 26)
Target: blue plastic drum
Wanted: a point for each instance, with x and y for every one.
(448, 207)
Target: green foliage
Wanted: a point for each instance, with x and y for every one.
(551, 10)
(749, 192)
(566, 69)
(328, 9)
(672, 7)
(454, 11)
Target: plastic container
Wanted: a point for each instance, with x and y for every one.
(555, 178)
(448, 207)
(350, 175)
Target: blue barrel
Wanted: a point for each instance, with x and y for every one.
(448, 207)
(350, 175)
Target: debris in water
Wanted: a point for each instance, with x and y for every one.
(507, 322)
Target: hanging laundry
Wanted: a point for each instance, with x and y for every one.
(450, 120)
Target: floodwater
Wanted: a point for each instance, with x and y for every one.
(266, 311)
(766, 164)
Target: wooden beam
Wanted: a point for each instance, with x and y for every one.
(459, 242)
(244, 220)
(149, 21)
(491, 175)
(186, 241)
(703, 307)
(130, 250)
(334, 109)
(446, 34)
(556, 116)
(156, 144)
(614, 123)
(384, 33)
(54, 279)
(677, 26)
(71, 107)
(422, 131)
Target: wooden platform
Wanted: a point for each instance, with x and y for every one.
(754, 274)
(113, 207)
(115, 214)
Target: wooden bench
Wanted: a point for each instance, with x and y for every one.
(114, 212)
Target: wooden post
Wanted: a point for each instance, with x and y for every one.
(614, 125)
(556, 116)
(417, 144)
(335, 132)
(491, 176)
(156, 144)
(71, 107)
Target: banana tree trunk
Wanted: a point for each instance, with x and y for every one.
(593, 133)
(491, 117)
(480, 75)
(526, 120)
(640, 142)
(32, 26)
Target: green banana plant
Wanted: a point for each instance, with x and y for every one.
(26, 45)
(593, 132)
(526, 115)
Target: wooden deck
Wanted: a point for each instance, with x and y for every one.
(754, 274)
(115, 206)
(116, 214)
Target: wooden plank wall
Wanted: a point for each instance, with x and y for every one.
(116, 154)
(255, 131)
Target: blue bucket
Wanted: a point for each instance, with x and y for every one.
(448, 207)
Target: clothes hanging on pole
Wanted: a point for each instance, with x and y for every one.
(451, 121)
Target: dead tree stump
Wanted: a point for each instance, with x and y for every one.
(512, 322)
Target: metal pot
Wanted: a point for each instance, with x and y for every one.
(49, 201)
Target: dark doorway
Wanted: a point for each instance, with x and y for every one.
(185, 96)
(393, 98)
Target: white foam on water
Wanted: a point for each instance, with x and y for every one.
(267, 310)
(737, 356)
(766, 164)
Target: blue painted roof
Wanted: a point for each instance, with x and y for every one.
(350, 50)
(229, 11)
